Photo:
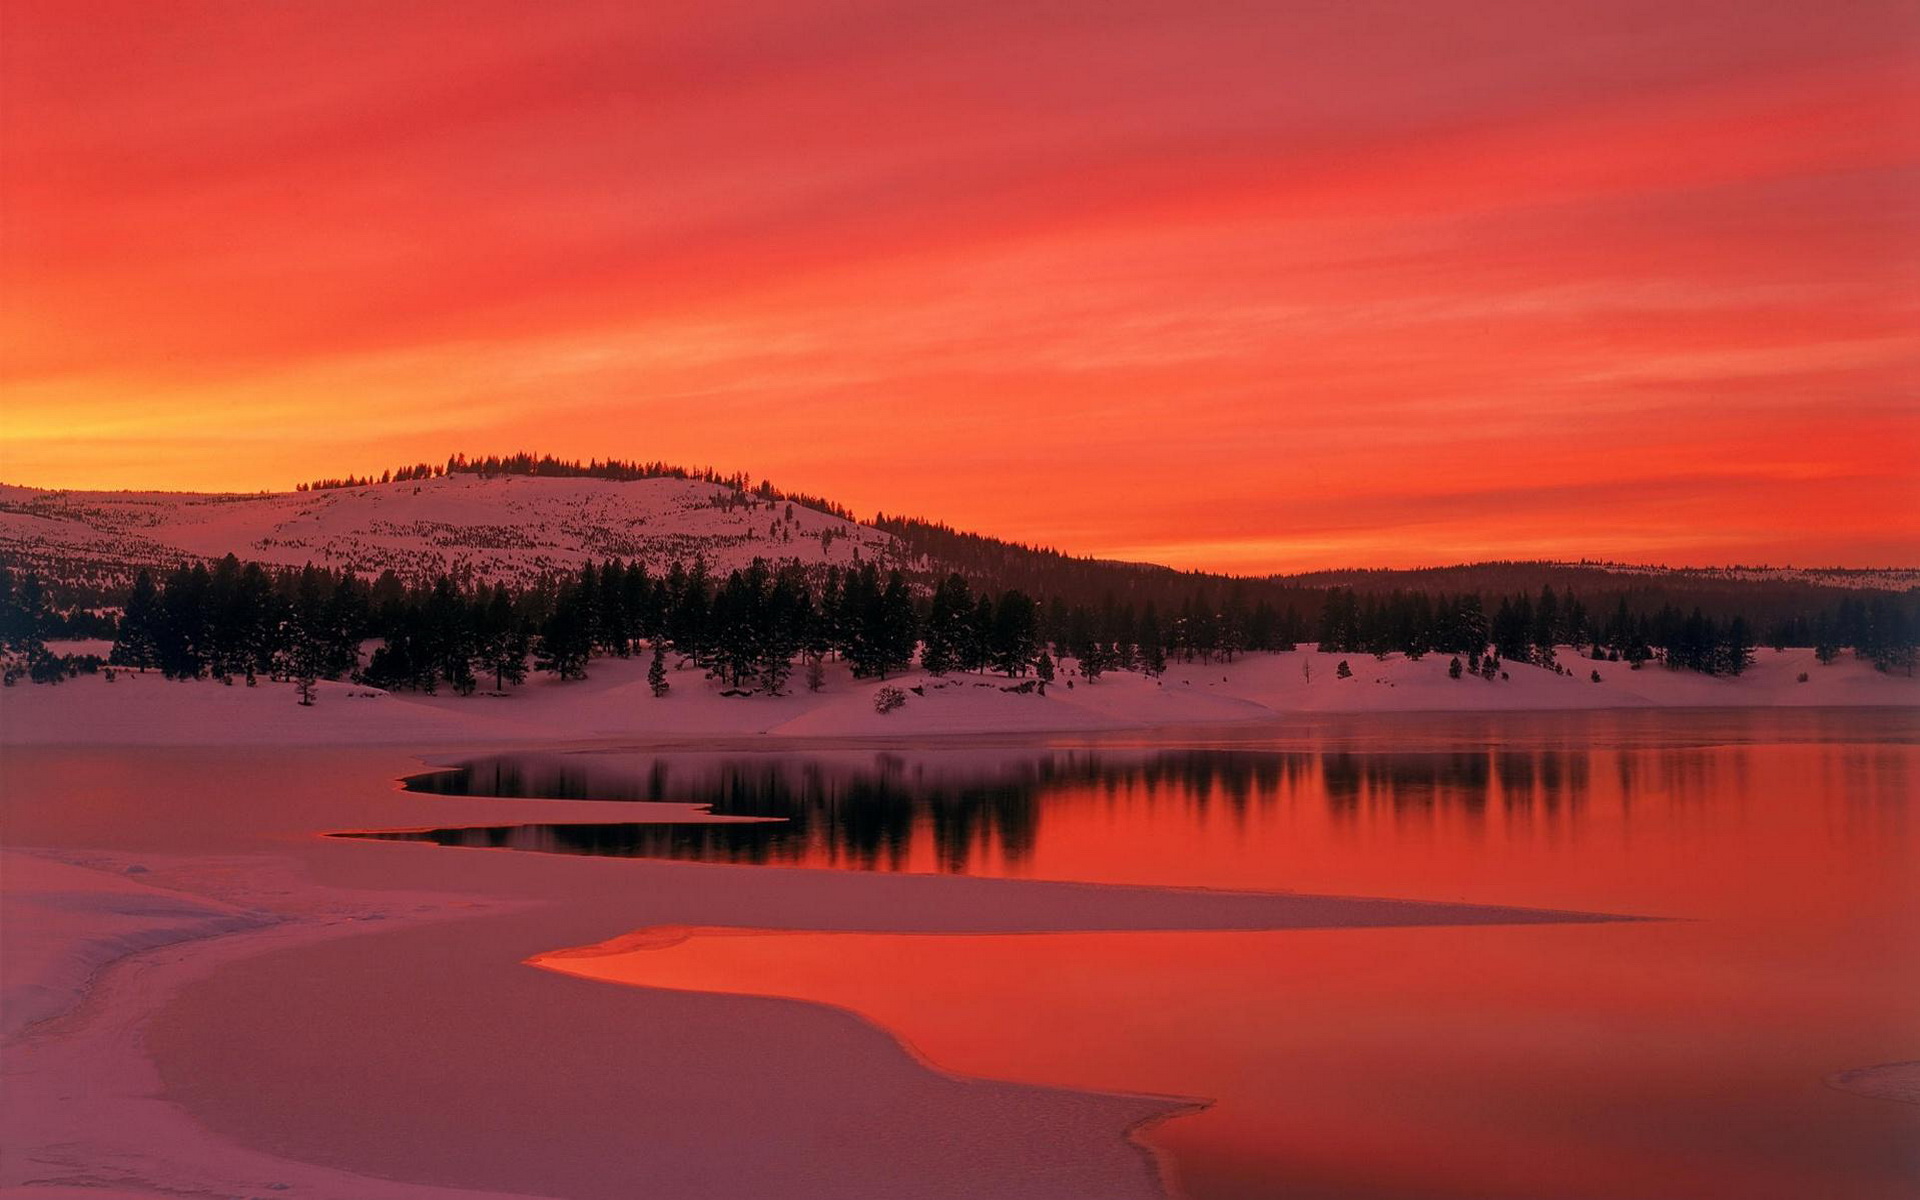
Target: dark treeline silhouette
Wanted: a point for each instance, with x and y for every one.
(1658, 604)
(25, 624)
(1882, 628)
(751, 628)
(235, 620)
(748, 630)
(547, 466)
(1765, 602)
(1037, 570)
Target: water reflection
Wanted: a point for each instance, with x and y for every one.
(1671, 1059)
(958, 813)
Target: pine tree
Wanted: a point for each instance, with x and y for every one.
(686, 616)
(735, 623)
(824, 635)
(1094, 660)
(1340, 622)
(899, 628)
(136, 644)
(1016, 633)
(788, 614)
(449, 636)
(504, 640)
(23, 624)
(976, 650)
(566, 637)
(1736, 647)
(1153, 652)
(1545, 633)
(183, 634)
(949, 625)
(637, 603)
(657, 671)
(1513, 627)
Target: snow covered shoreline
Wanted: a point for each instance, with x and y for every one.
(219, 1000)
(616, 702)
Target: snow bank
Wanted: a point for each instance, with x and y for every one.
(615, 702)
(64, 923)
(146, 709)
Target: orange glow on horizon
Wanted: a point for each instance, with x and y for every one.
(1241, 287)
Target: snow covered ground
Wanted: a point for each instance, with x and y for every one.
(499, 529)
(616, 702)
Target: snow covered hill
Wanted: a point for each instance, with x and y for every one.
(496, 529)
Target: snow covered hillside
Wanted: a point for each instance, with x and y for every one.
(496, 529)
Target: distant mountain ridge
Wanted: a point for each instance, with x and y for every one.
(1499, 576)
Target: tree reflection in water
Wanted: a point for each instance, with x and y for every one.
(890, 812)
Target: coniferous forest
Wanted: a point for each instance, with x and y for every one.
(752, 629)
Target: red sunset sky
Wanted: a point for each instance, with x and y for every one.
(1249, 286)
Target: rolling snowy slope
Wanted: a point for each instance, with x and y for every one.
(495, 529)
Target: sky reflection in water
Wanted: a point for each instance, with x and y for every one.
(1686, 1058)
